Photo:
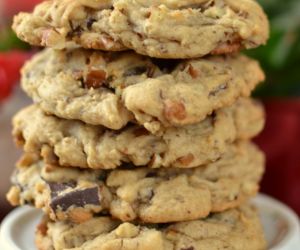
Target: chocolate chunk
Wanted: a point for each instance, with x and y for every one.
(159, 226)
(188, 248)
(166, 66)
(102, 176)
(151, 174)
(213, 118)
(77, 198)
(128, 165)
(110, 79)
(90, 22)
(57, 188)
(136, 71)
(219, 89)
(29, 203)
(214, 115)
(75, 31)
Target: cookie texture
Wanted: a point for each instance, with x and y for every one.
(112, 89)
(73, 143)
(143, 193)
(234, 229)
(160, 28)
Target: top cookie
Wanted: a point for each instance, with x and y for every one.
(160, 28)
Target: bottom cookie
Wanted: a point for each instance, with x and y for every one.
(235, 229)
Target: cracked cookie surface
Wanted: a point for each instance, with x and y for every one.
(161, 28)
(112, 89)
(234, 229)
(73, 143)
(140, 194)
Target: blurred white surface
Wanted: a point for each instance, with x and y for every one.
(280, 223)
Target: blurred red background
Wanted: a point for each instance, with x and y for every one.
(281, 142)
(11, 7)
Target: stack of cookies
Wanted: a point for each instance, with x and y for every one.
(139, 138)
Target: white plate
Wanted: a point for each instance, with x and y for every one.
(281, 226)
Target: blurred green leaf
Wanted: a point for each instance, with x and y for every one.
(281, 56)
(8, 41)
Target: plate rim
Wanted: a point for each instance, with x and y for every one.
(6, 240)
(291, 217)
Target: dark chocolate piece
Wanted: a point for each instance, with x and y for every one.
(90, 22)
(220, 88)
(136, 71)
(57, 188)
(188, 248)
(76, 198)
(103, 176)
(166, 66)
(76, 31)
(151, 174)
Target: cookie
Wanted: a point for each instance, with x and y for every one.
(144, 193)
(112, 89)
(162, 29)
(234, 229)
(73, 143)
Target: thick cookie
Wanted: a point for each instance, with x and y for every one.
(235, 229)
(160, 28)
(73, 143)
(143, 193)
(111, 89)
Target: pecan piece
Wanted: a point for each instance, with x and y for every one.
(227, 48)
(193, 72)
(19, 139)
(174, 110)
(95, 79)
(186, 160)
(104, 43)
(42, 228)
